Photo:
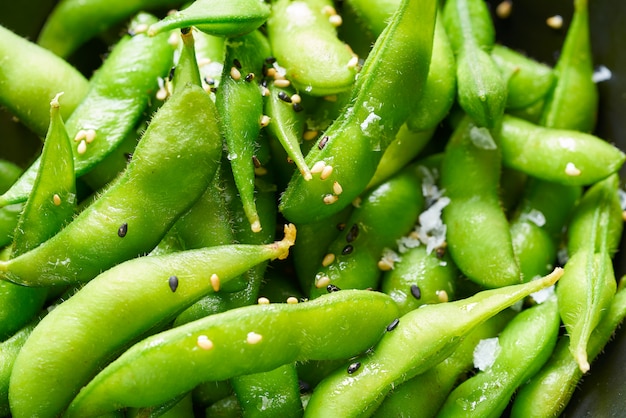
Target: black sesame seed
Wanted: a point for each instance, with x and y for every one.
(185, 31)
(173, 282)
(270, 60)
(393, 324)
(347, 250)
(341, 226)
(263, 82)
(440, 252)
(332, 288)
(304, 386)
(122, 230)
(209, 80)
(128, 156)
(171, 74)
(297, 107)
(354, 367)
(284, 97)
(352, 233)
(323, 142)
(415, 291)
(249, 77)
(237, 64)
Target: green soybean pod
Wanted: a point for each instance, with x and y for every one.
(119, 94)
(73, 22)
(240, 104)
(573, 103)
(559, 155)
(272, 393)
(110, 312)
(525, 345)
(528, 81)
(227, 407)
(49, 207)
(547, 393)
(220, 18)
(29, 83)
(420, 339)
(383, 215)
(481, 89)
(423, 395)
(304, 41)
(354, 143)
(9, 215)
(477, 233)
(135, 212)
(241, 341)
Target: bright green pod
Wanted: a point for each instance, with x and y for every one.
(49, 208)
(481, 89)
(304, 41)
(210, 392)
(477, 233)
(9, 215)
(220, 18)
(420, 278)
(352, 146)
(240, 104)
(548, 392)
(119, 94)
(528, 81)
(29, 83)
(272, 393)
(599, 215)
(110, 312)
(421, 339)
(238, 342)
(525, 345)
(559, 155)
(423, 395)
(178, 407)
(573, 103)
(538, 223)
(586, 293)
(131, 216)
(383, 215)
(186, 69)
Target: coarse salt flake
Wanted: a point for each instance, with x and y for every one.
(601, 74)
(481, 138)
(486, 352)
(572, 170)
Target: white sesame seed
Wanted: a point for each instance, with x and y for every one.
(82, 147)
(503, 10)
(442, 295)
(56, 199)
(354, 61)
(555, 22)
(255, 226)
(235, 73)
(329, 10)
(204, 61)
(282, 83)
(385, 264)
(90, 135)
(265, 91)
(271, 72)
(295, 98)
(215, 282)
(292, 300)
(263, 301)
(326, 172)
(204, 342)
(253, 338)
(174, 39)
(329, 199)
(161, 94)
(572, 170)
(328, 259)
(322, 281)
(80, 135)
(141, 28)
(335, 20)
(337, 189)
(318, 167)
(265, 120)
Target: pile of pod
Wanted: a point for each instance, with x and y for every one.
(418, 163)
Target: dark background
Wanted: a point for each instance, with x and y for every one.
(602, 392)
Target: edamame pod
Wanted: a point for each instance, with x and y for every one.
(560, 155)
(304, 41)
(110, 312)
(221, 18)
(241, 341)
(421, 339)
(119, 93)
(353, 145)
(132, 215)
(524, 346)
